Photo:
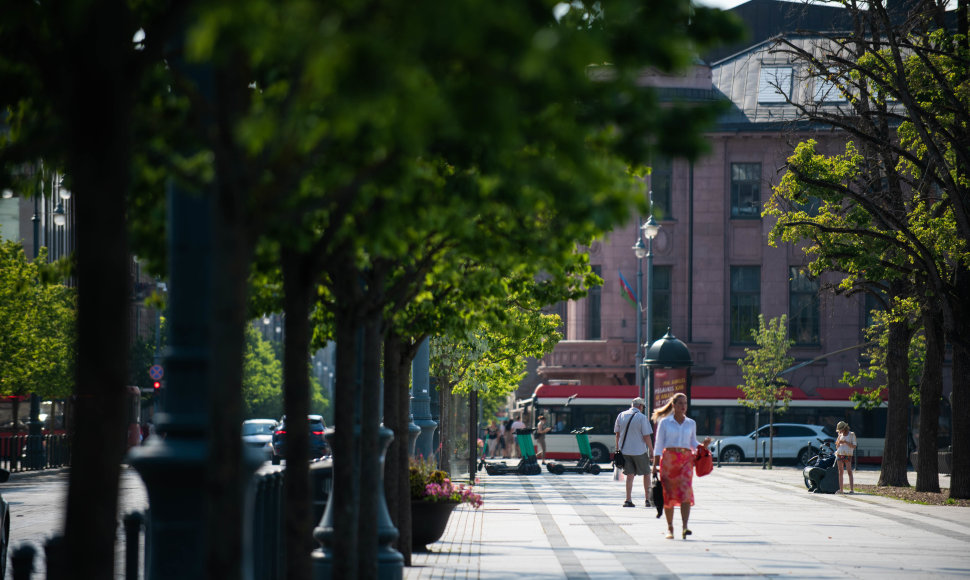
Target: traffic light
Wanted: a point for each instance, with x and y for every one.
(157, 385)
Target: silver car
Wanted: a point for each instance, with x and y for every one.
(258, 433)
(791, 441)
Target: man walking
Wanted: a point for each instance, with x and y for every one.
(633, 438)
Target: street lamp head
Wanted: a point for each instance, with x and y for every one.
(650, 228)
(59, 218)
(65, 193)
(7, 193)
(639, 249)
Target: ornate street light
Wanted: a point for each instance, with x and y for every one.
(60, 218)
(641, 251)
(649, 230)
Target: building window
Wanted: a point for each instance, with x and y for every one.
(745, 190)
(593, 308)
(827, 91)
(660, 188)
(775, 84)
(660, 301)
(803, 307)
(745, 302)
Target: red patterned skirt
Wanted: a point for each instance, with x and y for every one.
(677, 476)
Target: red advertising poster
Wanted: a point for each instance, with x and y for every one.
(667, 382)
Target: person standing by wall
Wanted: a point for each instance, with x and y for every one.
(844, 450)
(540, 436)
(635, 443)
(674, 459)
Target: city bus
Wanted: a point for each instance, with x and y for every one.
(716, 410)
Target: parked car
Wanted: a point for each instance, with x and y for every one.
(258, 433)
(791, 441)
(318, 444)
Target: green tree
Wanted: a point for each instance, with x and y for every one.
(262, 378)
(905, 77)
(369, 101)
(761, 368)
(37, 321)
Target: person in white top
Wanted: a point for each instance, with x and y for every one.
(633, 438)
(674, 458)
(844, 450)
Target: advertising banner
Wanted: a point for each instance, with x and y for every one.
(667, 382)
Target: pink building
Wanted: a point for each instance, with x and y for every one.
(713, 270)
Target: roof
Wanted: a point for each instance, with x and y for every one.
(765, 19)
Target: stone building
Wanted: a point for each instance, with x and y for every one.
(713, 269)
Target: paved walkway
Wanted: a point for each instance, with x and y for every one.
(747, 522)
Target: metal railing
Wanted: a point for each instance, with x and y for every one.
(266, 540)
(33, 452)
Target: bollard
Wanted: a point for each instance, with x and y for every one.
(22, 561)
(133, 522)
(764, 457)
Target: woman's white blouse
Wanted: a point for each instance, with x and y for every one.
(670, 433)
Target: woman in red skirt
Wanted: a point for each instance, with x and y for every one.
(674, 454)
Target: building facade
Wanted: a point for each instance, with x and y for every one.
(713, 269)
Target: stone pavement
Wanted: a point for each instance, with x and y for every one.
(747, 522)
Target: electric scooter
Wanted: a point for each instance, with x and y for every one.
(528, 465)
(585, 464)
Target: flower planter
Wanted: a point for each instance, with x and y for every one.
(428, 522)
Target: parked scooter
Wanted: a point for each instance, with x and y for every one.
(528, 465)
(585, 464)
(820, 473)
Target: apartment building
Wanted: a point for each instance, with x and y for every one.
(713, 269)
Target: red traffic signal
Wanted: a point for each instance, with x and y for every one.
(157, 385)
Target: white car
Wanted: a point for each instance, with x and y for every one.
(258, 433)
(791, 441)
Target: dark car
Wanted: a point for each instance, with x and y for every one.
(318, 445)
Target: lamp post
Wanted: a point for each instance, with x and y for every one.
(641, 251)
(649, 230)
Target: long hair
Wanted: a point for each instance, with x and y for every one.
(667, 409)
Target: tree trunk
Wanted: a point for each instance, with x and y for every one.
(346, 460)
(371, 465)
(97, 44)
(771, 435)
(444, 426)
(960, 396)
(894, 454)
(472, 434)
(930, 391)
(960, 411)
(227, 479)
(298, 527)
(396, 417)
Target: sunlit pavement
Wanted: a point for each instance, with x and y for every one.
(747, 522)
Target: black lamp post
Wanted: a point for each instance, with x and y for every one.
(35, 452)
(649, 230)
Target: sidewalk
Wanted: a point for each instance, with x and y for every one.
(747, 522)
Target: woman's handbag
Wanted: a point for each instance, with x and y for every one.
(657, 496)
(703, 461)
